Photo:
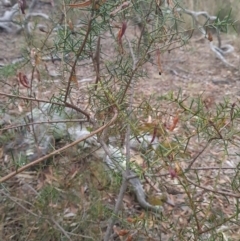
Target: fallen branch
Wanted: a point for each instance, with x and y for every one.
(220, 50)
(56, 152)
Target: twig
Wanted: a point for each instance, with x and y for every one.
(220, 50)
(66, 104)
(37, 216)
(79, 52)
(196, 157)
(195, 16)
(211, 168)
(125, 173)
(8, 15)
(225, 220)
(31, 99)
(43, 122)
(134, 69)
(61, 228)
(116, 209)
(78, 109)
(96, 62)
(150, 183)
(120, 8)
(191, 202)
(219, 53)
(135, 182)
(19, 204)
(7, 18)
(214, 191)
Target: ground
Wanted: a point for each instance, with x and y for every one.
(78, 196)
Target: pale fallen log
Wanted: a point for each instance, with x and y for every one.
(37, 140)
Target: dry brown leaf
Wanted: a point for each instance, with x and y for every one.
(131, 220)
(123, 232)
(23, 80)
(119, 8)
(210, 38)
(154, 128)
(70, 25)
(120, 35)
(87, 3)
(80, 5)
(37, 59)
(159, 62)
(38, 75)
(141, 216)
(174, 124)
(178, 168)
(129, 238)
(137, 158)
(120, 232)
(1, 153)
(73, 77)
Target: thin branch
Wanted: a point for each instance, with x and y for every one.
(196, 157)
(96, 62)
(61, 229)
(125, 173)
(116, 209)
(37, 216)
(219, 53)
(211, 168)
(8, 18)
(31, 99)
(220, 50)
(215, 191)
(192, 204)
(225, 220)
(19, 204)
(79, 52)
(78, 109)
(43, 122)
(66, 104)
(136, 65)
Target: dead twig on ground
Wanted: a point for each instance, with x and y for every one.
(219, 51)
